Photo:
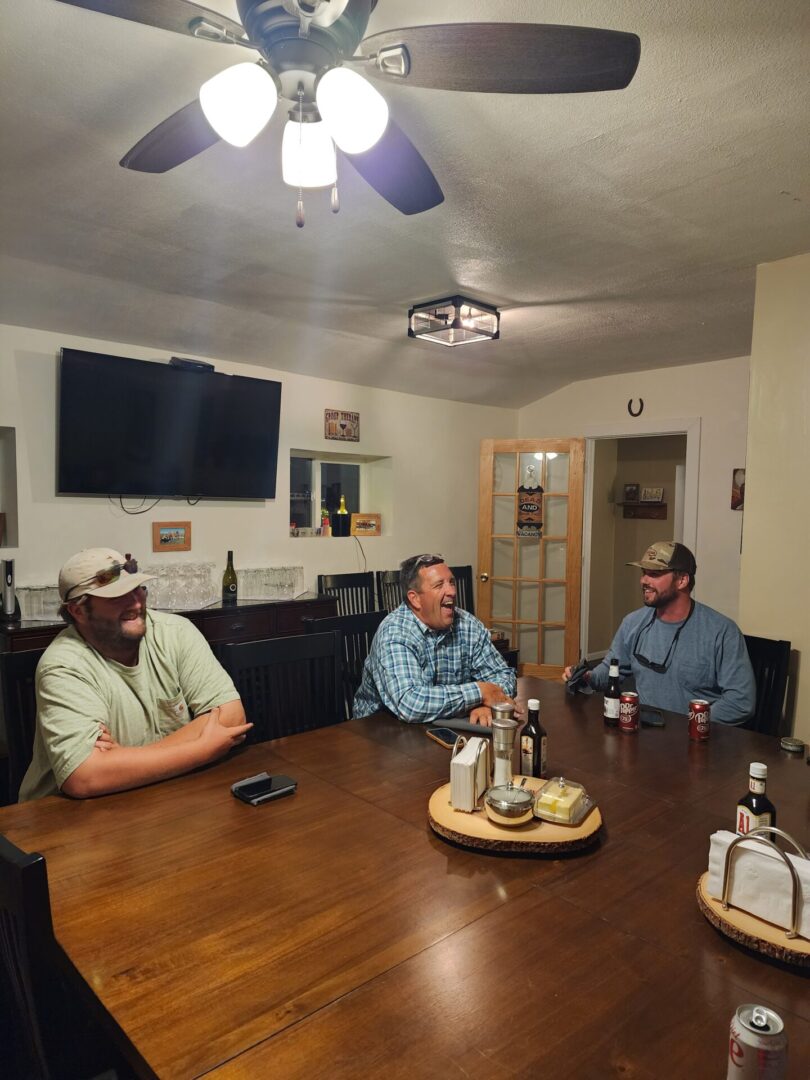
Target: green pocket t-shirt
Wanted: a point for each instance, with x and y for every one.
(176, 678)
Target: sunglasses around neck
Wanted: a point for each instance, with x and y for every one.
(652, 665)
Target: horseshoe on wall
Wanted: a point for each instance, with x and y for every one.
(640, 407)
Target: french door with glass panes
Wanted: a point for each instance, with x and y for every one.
(530, 548)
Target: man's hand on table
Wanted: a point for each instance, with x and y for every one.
(216, 738)
(492, 694)
(482, 715)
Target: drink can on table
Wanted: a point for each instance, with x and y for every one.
(757, 1047)
(629, 712)
(699, 720)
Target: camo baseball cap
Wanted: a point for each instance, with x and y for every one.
(667, 555)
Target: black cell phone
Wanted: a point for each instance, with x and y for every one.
(442, 735)
(651, 717)
(262, 787)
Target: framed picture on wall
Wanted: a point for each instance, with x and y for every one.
(171, 536)
(630, 493)
(652, 495)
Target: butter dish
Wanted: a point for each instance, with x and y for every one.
(562, 801)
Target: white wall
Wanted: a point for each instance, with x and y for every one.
(717, 393)
(773, 589)
(433, 445)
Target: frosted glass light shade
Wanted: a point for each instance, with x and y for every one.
(307, 155)
(355, 113)
(238, 102)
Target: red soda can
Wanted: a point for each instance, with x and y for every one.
(757, 1046)
(700, 713)
(628, 712)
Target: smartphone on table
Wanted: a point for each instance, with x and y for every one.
(443, 736)
(263, 787)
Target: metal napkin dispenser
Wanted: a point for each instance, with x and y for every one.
(469, 772)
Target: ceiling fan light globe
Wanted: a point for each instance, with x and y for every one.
(307, 155)
(238, 102)
(354, 111)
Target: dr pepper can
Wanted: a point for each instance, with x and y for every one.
(700, 713)
(757, 1045)
(629, 712)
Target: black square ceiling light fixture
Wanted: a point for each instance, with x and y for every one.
(455, 320)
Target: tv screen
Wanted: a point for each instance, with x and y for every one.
(133, 427)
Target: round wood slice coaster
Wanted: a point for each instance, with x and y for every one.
(748, 930)
(539, 837)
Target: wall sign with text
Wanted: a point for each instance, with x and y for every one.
(340, 425)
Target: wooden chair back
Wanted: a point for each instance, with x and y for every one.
(356, 634)
(19, 706)
(354, 592)
(389, 593)
(770, 660)
(288, 684)
(464, 587)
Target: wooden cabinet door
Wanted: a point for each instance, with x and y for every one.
(530, 547)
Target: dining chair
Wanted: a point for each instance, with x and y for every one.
(19, 708)
(287, 684)
(354, 592)
(770, 660)
(464, 587)
(389, 592)
(51, 1033)
(356, 634)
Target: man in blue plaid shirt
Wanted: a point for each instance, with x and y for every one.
(429, 659)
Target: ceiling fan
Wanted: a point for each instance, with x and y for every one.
(311, 55)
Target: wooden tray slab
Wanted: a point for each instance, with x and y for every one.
(535, 837)
(748, 930)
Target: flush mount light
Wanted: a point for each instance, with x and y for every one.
(455, 320)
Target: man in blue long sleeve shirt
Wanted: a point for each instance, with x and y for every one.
(429, 659)
(676, 649)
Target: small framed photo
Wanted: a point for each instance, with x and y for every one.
(652, 495)
(630, 493)
(366, 525)
(341, 425)
(171, 536)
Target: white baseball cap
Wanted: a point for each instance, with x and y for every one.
(100, 571)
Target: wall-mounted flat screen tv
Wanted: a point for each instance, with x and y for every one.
(135, 427)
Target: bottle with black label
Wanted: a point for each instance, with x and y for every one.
(755, 809)
(612, 695)
(533, 740)
(229, 582)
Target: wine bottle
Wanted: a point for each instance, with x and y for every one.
(533, 740)
(229, 582)
(343, 518)
(755, 809)
(610, 709)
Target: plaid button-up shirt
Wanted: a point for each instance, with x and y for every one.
(420, 674)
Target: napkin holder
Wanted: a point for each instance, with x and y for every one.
(469, 772)
(752, 874)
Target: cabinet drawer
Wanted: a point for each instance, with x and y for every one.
(290, 615)
(239, 625)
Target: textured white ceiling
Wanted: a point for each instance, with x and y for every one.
(617, 231)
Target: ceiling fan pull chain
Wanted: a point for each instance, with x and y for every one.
(334, 199)
(299, 210)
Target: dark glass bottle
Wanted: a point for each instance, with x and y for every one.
(533, 740)
(755, 809)
(610, 709)
(229, 582)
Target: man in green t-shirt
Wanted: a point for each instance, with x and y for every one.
(125, 696)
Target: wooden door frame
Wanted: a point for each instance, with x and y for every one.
(691, 428)
(575, 447)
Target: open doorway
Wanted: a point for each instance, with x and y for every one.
(626, 516)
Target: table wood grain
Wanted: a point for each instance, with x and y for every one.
(332, 933)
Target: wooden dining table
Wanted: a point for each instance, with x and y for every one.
(333, 934)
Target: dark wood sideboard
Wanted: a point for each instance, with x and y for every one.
(246, 620)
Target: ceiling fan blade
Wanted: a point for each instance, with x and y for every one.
(509, 58)
(179, 16)
(180, 137)
(397, 171)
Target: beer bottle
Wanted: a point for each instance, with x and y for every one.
(533, 741)
(755, 809)
(229, 582)
(610, 709)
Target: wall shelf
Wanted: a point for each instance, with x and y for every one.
(644, 511)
